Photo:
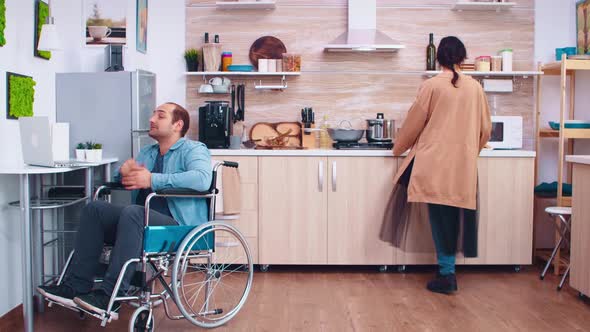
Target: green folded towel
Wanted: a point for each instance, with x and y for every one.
(550, 189)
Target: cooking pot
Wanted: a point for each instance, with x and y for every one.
(345, 134)
(380, 129)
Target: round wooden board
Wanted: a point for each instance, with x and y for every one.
(266, 47)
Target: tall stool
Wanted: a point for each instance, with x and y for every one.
(563, 214)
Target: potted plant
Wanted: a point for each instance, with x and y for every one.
(97, 150)
(89, 152)
(191, 56)
(80, 152)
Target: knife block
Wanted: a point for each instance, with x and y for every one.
(309, 139)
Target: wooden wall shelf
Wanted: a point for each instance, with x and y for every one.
(482, 6)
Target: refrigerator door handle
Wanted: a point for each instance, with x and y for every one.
(141, 131)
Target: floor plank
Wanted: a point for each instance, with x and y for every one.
(361, 299)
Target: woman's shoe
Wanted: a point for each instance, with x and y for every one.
(445, 284)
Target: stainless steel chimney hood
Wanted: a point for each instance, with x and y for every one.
(362, 34)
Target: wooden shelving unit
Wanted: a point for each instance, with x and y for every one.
(566, 69)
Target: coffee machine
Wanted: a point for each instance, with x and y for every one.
(215, 124)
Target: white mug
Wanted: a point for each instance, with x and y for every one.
(206, 88)
(216, 81)
(225, 81)
(263, 65)
(99, 32)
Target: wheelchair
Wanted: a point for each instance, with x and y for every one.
(205, 270)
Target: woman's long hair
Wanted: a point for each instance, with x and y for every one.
(451, 52)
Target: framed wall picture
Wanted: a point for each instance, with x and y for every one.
(20, 95)
(41, 14)
(141, 25)
(105, 22)
(583, 26)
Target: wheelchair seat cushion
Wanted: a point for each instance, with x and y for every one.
(158, 239)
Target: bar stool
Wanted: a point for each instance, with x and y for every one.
(564, 214)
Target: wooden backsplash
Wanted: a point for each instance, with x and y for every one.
(353, 86)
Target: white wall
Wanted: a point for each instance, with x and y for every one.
(17, 56)
(555, 27)
(166, 26)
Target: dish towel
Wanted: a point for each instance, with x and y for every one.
(229, 197)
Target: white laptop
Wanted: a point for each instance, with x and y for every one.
(46, 144)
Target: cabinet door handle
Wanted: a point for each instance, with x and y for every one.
(333, 176)
(321, 176)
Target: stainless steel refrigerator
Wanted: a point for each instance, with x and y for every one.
(111, 108)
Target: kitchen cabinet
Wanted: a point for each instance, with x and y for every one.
(328, 209)
(580, 230)
(319, 210)
(293, 210)
(247, 220)
(358, 192)
(505, 229)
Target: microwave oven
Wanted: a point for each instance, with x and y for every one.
(506, 132)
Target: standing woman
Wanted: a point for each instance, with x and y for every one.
(445, 130)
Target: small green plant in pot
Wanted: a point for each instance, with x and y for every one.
(80, 152)
(191, 56)
(97, 152)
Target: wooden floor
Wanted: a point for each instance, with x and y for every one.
(361, 299)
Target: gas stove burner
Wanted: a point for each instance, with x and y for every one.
(363, 146)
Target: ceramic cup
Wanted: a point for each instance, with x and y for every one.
(99, 32)
(206, 88)
(216, 81)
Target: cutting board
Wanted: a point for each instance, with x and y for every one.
(266, 47)
(262, 130)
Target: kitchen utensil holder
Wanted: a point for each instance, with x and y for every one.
(272, 87)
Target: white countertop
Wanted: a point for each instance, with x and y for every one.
(354, 153)
(28, 169)
(581, 159)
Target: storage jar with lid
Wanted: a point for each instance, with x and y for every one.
(496, 63)
(226, 60)
(506, 59)
(483, 63)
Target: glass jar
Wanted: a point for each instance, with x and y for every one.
(497, 63)
(226, 60)
(291, 62)
(483, 63)
(506, 59)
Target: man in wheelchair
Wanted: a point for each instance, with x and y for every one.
(174, 162)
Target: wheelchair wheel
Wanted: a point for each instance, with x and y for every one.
(142, 320)
(212, 274)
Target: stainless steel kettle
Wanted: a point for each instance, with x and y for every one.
(380, 129)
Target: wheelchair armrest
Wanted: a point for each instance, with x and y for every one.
(183, 192)
(106, 188)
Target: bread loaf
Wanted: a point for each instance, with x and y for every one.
(261, 130)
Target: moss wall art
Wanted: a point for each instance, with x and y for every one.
(41, 13)
(20, 95)
(2, 22)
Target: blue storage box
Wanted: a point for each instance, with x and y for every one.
(240, 68)
(570, 125)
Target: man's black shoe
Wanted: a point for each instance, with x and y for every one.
(445, 284)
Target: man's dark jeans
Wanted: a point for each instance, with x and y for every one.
(104, 223)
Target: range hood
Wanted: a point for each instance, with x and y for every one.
(362, 34)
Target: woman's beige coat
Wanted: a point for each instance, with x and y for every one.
(446, 128)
